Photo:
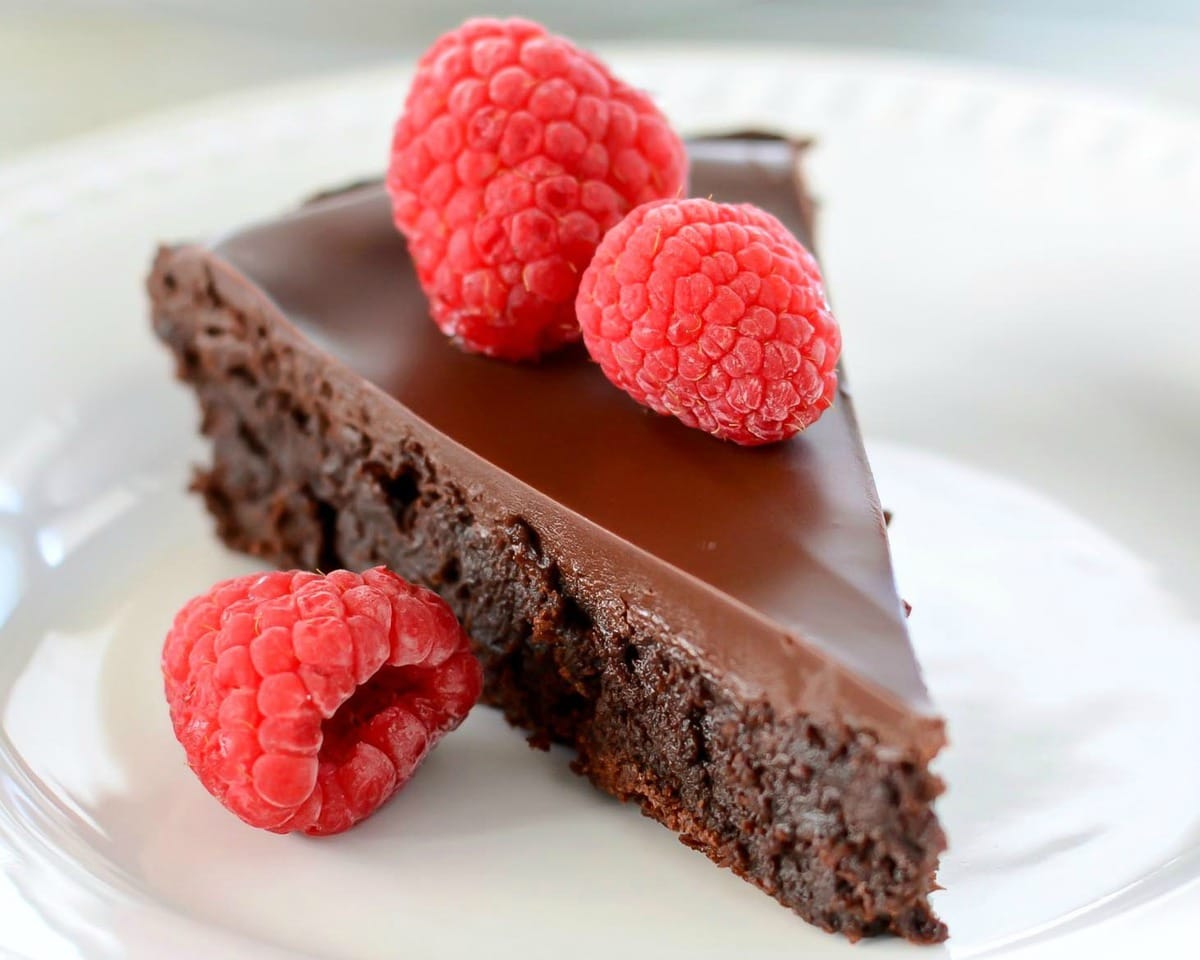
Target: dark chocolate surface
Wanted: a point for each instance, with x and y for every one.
(764, 560)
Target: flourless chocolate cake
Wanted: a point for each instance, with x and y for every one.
(715, 629)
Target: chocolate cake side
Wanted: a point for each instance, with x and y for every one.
(313, 467)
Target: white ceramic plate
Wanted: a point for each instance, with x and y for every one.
(1015, 268)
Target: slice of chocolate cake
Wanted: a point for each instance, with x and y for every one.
(714, 629)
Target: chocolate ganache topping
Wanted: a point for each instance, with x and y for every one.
(771, 563)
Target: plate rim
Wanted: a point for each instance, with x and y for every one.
(68, 158)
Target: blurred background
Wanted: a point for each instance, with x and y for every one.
(68, 66)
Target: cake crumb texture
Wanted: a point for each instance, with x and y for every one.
(311, 471)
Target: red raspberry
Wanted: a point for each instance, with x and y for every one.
(716, 314)
(305, 701)
(516, 151)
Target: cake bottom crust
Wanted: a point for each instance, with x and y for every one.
(812, 811)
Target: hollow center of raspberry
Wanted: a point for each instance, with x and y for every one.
(388, 687)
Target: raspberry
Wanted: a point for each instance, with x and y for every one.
(304, 701)
(515, 152)
(713, 313)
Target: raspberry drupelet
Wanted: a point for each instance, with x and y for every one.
(713, 313)
(304, 701)
(515, 152)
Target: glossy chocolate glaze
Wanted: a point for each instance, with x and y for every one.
(770, 563)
